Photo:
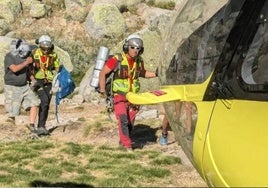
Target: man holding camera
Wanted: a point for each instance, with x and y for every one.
(16, 88)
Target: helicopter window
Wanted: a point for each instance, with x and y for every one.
(254, 70)
(197, 57)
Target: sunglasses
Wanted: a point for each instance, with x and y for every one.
(133, 47)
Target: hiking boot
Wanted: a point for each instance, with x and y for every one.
(128, 149)
(137, 145)
(163, 140)
(42, 131)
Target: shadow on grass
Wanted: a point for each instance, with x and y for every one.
(143, 135)
(39, 183)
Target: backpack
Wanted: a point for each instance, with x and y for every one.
(62, 86)
(103, 56)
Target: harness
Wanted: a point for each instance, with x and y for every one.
(43, 67)
(119, 73)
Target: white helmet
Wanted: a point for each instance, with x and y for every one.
(45, 41)
(134, 40)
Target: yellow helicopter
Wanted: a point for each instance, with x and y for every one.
(222, 70)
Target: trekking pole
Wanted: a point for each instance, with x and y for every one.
(56, 113)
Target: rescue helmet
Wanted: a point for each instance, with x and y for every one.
(133, 40)
(45, 42)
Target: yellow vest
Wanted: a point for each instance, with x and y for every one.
(45, 65)
(126, 79)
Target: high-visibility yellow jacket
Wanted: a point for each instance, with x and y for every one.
(127, 79)
(45, 65)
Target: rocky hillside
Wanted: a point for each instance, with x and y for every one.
(80, 27)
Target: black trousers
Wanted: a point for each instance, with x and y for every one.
(45, 97)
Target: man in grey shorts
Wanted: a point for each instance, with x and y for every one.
(16, 88)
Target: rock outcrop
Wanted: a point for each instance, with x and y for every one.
(79, 27)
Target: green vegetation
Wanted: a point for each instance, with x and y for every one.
(96, 126)
(44, 163)
(164, 5)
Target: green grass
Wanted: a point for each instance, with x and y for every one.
(44, 163)
(96, 126)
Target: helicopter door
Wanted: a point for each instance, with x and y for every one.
(236, 151)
